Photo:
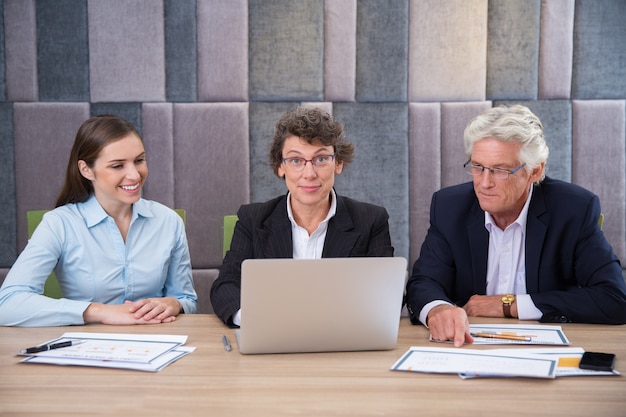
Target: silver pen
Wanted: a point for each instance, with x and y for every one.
(227, 345)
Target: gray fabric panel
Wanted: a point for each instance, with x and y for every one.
(454, 118)
(598, 151)
(513, 49)
(556, 48)
(129, 111)
(286, 50)
(180, 50)
(556, 117)
(382, 50)
(223, 50)
(340, 50)
(380, 171)
(63, 50)
(3, 89)
(8, 242)
(202, 281)
(599, 38)
(447, 50)
(424, 169)
(128, 63)
(20, 50)
(44, 134)
(211, 172)
(3, 274)
(264, 184)
(158, 137)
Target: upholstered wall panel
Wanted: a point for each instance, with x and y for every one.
(223, 50)
(599, 69)
(382, 50)
(340, 50)
(205, 81)
(437, 71)
(286, 50)
(598, 147)
(380, 171)
(8, 231)
(3, 84)
(211, 171)
(44, 133)
(127, 63)
(158, 134)
(20, 50)
(180, 50)
(513, 49)
(63, 50)
(556, 48)
(424, 168)
(129, 111)
(454, 118)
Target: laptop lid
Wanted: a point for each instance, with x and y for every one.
(320, 305)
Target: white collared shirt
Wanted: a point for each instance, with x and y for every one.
(506, 262)
(307, 246)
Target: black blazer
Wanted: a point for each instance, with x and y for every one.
(264, 231)
(572, 273)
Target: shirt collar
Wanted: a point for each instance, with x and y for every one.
(521, 219)
(331, 211)
(94, 213)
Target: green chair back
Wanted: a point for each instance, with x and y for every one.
(52, 288)
(601, 221)
(229, 227)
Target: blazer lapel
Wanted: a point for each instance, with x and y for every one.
(536, 230)
(479, 247)
(340, 236)
(275, 236)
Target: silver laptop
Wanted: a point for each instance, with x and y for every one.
(320, 305)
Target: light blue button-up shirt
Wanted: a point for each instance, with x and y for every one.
(85, 248)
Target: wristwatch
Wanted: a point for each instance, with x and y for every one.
(507, 300)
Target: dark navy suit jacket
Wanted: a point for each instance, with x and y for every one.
(264, 231)
(572, 273)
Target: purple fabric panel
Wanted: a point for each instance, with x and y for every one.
(20, 50)
(158, 136)
(127, 63)
(340, 50)
(556, 48)
(327, 106)
(202, 281)
(424, 169)
(454, 118)
(598, 149)
(44, 134)
(447, 50)
(211, 172)
(222, 50)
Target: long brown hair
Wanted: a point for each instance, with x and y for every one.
(92, 136)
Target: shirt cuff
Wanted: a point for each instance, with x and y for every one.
(237, 318)
(526, 309)
(426, 309)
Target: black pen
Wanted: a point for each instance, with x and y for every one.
(43, 348)
(227, 345)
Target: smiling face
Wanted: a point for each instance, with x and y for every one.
(309, 188)
(118, 174)
(503, 199)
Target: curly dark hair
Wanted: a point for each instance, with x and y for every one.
(311, 125)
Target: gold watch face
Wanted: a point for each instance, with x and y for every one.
(508, 299)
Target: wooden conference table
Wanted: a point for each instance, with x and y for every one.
(212, 381)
